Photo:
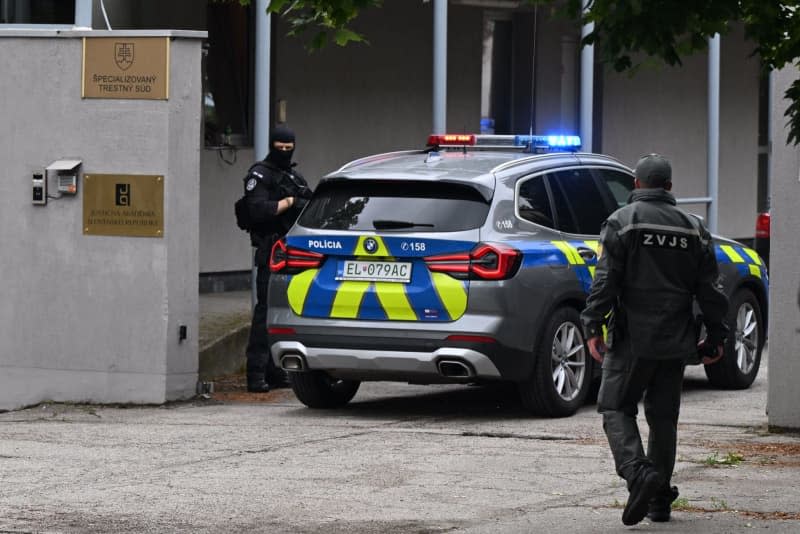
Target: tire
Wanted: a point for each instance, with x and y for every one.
(317, 389)
(562, 373)
(742, 353)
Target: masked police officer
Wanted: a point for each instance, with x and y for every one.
(653, 261)
(275, 195)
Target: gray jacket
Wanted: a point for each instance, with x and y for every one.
(654, 261)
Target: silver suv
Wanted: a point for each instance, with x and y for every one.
(463, 263)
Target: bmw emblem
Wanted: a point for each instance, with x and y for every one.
(370, 245)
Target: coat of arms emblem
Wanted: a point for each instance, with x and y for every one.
(123, 55)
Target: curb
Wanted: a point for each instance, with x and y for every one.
(225, 355)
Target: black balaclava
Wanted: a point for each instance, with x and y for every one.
(280, 158)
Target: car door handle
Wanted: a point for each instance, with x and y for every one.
(587, 254)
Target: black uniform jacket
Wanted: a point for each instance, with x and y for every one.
(653, 262)
(264, 186)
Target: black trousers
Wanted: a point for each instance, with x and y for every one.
(625, 381)
(259, 363)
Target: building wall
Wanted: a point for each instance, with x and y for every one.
(557, 76)
(665, 110)
(784, 280)
(345, 103)
(84, 317)
(223, 246)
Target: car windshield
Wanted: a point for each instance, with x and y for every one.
(395, 206)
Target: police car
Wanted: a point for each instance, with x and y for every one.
(467, 262)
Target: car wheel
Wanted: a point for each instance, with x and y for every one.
(562, 369)
(316, 389)
(739, 366)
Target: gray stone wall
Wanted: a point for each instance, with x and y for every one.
(82, 317)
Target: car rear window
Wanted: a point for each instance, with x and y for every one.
(395, 206)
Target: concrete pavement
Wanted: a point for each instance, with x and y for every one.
(399, 459)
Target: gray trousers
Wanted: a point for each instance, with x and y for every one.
(625, 380)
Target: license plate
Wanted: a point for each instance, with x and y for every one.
(375, 271)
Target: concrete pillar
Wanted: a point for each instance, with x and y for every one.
(784, 316)
(97, 318)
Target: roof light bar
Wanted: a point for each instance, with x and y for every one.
(552, 142)
(534, 143)
(451, 139)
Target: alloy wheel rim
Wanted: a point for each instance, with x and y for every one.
(568, 361)
(746, 341)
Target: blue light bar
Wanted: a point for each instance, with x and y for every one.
(551, 142)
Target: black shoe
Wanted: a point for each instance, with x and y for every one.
(660, 506)
(644, 488)
(257, 386)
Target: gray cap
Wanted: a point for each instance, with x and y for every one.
(653, 170)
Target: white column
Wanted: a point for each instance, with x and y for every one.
(713, 130)
(261, 123)
(83, 13)
(587, 87)
(439, 66)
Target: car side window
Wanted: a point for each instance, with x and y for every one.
(619, 183)
(580, 207)
(565, 219)
(533, 204)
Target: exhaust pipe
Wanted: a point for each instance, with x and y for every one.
(455, 369)
(293, 362)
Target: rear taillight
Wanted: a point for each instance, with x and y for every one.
(762, 225)
(290, 259)
(485, 261)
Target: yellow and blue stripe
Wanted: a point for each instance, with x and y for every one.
(431, 296)
(746, 260)
(427, 297)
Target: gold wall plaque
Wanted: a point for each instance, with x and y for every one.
(123, 204)
(125, 67)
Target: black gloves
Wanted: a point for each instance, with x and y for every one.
(300, 203)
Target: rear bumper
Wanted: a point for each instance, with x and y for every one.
(400, 359)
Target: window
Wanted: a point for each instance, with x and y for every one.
(533, 203)
(37, 12)
(619, 183)
(580, 208)
(227, 74)
(401, 206)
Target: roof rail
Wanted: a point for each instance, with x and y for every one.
(378, 157)
(522, 161)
